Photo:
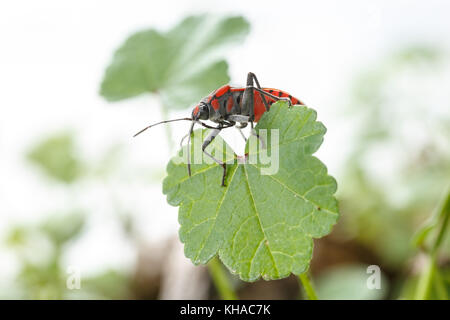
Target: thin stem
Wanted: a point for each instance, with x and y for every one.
(445, 216)
(423, 290)
(439, 283)
(221, 280)
(430, 272)
(310, 293)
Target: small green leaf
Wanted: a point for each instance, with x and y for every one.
(260, 225)
(183, 64)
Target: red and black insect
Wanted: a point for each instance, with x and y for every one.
(228, 106)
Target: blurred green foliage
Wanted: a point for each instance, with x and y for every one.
(384, 210)
(40, 248)
(431, 284)
(181, 65)
(384, 215)
(437, 222)
(62, 228)
(109, 284)
(348, 282)
(409, 290)
(58, 158)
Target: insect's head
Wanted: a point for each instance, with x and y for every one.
(200, 112)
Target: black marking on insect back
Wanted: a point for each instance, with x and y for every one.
(237, 103)
(280, 93)
(270, 91)
(290, 97)
(211, 109)
(224, 102)
(222, 108)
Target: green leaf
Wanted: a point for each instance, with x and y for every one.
(183, 64)
(260, 225)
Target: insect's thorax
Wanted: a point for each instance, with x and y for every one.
(224, 102)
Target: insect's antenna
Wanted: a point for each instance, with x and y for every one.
(189, 147)
(165, 121)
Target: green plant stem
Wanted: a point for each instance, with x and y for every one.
(423, 290)
(439, 283)
(445, 216)
(221, 280)
(310, 293)
(430, 272)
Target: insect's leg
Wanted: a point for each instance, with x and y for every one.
(187, 135)
(267, 94)
(228, 124)
(182, 140)
(253, 76)
(212, 135)
(243, 121)
(242, 134)
(238, 118)
(248, 99)
(253, 133)
(264, 93)
(191, 130)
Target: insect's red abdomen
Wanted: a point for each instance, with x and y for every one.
(225, 98)
(259, 106)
